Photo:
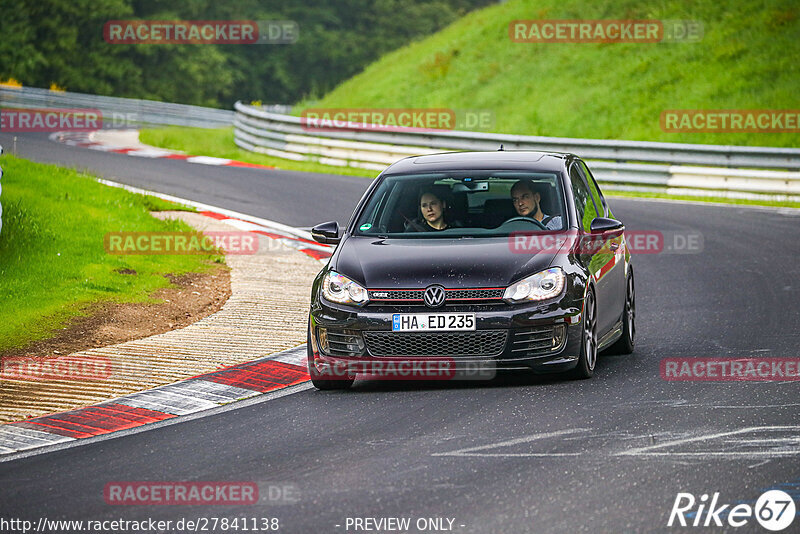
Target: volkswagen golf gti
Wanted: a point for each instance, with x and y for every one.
(507, 259)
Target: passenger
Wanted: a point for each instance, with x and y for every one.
(431, 218)
(527, 202)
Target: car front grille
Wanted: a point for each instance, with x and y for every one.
(452, 296)
(479, 343)
(474, 294)
(539, 340)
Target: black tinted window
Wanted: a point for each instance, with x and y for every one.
(469, 204)
(584, 205)
(597, 196)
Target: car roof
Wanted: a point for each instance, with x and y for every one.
(521, 160)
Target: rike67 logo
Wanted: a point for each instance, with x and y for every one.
(774, 510)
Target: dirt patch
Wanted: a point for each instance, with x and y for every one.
(197, 295)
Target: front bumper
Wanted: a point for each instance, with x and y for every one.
(543, 337)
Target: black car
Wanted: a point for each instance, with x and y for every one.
(438, 263)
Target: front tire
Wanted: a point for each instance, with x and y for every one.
(588, 357)
(317, 378)
(624, 344)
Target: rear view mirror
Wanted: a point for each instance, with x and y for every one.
(470, 187)
(326, 233)
(603, 225)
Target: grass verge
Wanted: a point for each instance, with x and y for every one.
(53, 263)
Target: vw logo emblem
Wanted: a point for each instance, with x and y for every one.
(433, 296)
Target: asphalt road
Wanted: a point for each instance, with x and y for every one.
(519, 454)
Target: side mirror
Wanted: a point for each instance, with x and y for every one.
(326, 233)
(603, 225)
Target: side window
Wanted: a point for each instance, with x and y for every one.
(599, 200)
(584, 205)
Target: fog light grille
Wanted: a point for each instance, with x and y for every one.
(539, 340)
(341, 342)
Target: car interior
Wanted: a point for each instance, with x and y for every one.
(479, 204)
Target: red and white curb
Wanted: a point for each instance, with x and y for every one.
(289, 236)
(197, 394)
(306, 246)
(85, 140)
(194, 395)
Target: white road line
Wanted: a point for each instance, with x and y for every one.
(208, 160)
(794, 440)
(472, 451)
(651, 449)
(680, 403)
(149, 153)
(207, 207)
(250, 227)
(719, 454)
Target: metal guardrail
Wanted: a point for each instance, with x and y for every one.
(122, 111)
(734, 171)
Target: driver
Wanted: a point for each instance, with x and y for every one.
(527, 202)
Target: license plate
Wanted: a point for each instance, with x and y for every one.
(426, 322)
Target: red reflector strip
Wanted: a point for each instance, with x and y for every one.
(262, 376)
(249, 165)
(96, 420)
(214, 215)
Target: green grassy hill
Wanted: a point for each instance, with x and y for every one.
(747, 59)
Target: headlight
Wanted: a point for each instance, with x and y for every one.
(338, 288)
(540, 286)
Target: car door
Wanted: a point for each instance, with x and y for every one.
(616, 274)
(598, 260)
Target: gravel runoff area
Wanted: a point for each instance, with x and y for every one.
(266, 313)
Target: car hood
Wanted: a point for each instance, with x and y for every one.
(455, 263)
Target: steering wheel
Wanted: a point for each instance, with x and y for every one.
(529, 219)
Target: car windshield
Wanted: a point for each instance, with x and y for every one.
(447, 205)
